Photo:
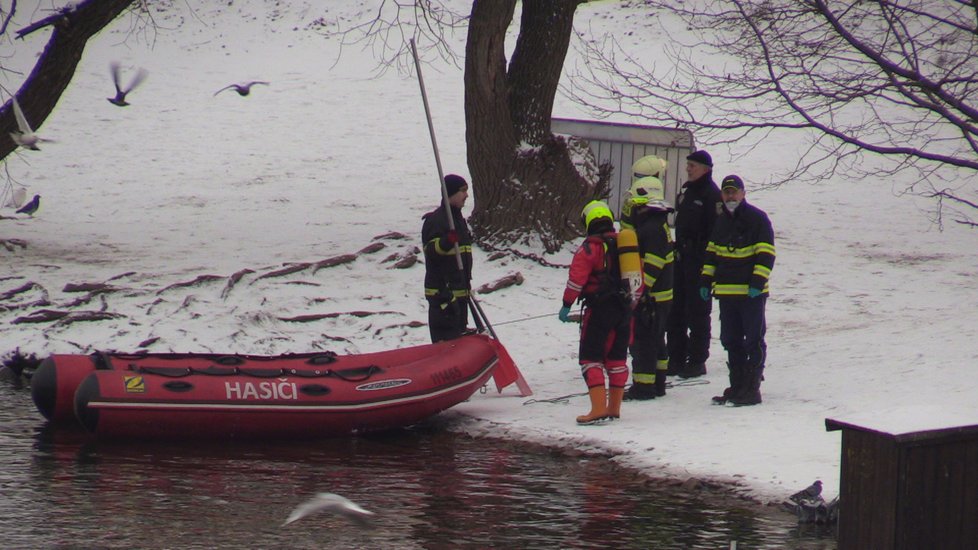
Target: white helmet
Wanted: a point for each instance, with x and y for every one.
(646, 191)
(643, 192)
(650, 165)
(648, 188)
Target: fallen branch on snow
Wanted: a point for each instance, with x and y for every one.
(507, 281)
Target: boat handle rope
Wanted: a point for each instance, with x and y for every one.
(369, 371)
(180, 372)
(102, 358)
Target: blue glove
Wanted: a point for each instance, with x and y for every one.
(705, 293)
(564, 314)
(753, 292)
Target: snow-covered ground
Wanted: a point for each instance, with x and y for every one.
(871, 317)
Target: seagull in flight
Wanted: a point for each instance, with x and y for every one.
(30, 207)
(120, 93)
(242, 89)
(330, 502)
(24, 136)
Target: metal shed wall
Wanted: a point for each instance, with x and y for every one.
(623, 144)
(908, 491)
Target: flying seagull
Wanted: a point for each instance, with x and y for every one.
(24, 136)
(812, 491)
(242, 89)
(30, 207)
(120, 93)
(334, 503)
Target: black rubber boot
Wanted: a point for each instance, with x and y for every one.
(736, 384)
(692, 370)
(675, 365)
(751, 392)
(660, 383)
(640, 392)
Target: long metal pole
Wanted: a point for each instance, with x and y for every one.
(434, 146)
(478, 314)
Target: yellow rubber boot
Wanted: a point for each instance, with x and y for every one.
(599, 406)
(615, 396)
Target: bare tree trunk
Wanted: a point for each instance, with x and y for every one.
(56, 66)
(529, 186)
(534, 70)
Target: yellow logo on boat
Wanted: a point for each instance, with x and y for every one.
(134, 384)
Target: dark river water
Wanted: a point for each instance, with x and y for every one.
(429, 487)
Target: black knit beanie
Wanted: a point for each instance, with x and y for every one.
(701, 157)
(453, 183)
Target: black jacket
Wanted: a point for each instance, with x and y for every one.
(697, 211)
(740, 254)
(655, 246)
(442, 276)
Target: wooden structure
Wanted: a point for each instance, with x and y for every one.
(622, 144)
(908, 487)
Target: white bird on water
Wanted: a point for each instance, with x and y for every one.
(330, 502)
(24, 136)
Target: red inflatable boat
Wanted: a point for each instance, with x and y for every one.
(242, 396)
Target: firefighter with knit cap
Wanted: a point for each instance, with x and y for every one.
(697, 208)
(595, 280)
(447, 282)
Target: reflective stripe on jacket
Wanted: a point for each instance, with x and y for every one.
(656, 247)
(442, 275)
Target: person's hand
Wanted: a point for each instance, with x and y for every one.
(753, 292)
(705, 293)
(452, 237)
(564, 314)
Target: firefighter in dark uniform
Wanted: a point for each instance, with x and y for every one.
(739, 259)
(446, 285)
(595, 278)
(644, 167)
(688, 332)
(647, 212)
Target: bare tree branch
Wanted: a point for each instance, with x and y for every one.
(57, 17)
(879, 87)
(393, 23)
(8, 16)
(55, 67)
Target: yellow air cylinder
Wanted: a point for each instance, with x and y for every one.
(630, 263)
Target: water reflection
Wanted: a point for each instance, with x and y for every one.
(430, 489)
